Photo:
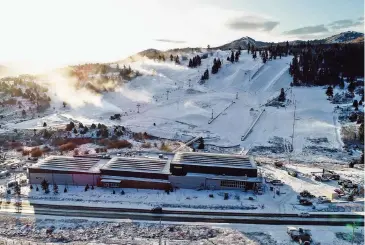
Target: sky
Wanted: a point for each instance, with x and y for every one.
(44, 34)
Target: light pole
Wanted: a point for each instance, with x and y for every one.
(237, 96)
(167, 94)
(138, 105)
(212, 113)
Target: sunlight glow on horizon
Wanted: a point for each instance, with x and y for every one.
(41, 34)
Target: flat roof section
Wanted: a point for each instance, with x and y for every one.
(133, 164)
(214, 160)
(76, 164)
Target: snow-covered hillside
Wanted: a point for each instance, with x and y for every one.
(345, 37)
(173, 104)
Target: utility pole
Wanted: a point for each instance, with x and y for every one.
(237, 96)
(292, 139)
(138, 105)
(212, 113)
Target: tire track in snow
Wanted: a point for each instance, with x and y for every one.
(276, 78)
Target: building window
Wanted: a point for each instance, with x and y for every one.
(114, 184)
(233, 183)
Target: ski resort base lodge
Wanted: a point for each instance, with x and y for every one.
(190, 170)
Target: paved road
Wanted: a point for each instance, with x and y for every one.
(187, 216)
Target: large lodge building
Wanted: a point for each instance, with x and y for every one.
(189, 170)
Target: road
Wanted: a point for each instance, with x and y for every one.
(185, 216)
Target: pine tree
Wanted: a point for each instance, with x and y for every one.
(55, 188)
(44, 185)
(177, 60)
(65, 190)
(171, 57)
(248, 48)
(201, 143)
(282, 95)
(355, 104)
(44, 124)
(236, 56)
(17, 189)
(232, 57)
(351, 87)
(361, 136)
(329, 91)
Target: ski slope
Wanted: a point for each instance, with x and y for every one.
(171, 97)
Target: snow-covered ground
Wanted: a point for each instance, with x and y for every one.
(32, 230)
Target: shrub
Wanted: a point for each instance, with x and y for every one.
(165, 147)
(141, 136)
(36, 152)
(68, 147)
(86, 152)
(76, 152)
(146, 145)
(119, 144)
(211, 195)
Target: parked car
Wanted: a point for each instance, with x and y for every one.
(157, 210)
(276, 182)
(341, 182)
(304, 215)
(348, 185)
(12, 183)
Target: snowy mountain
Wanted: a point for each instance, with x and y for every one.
(346, 37)
(243, 43)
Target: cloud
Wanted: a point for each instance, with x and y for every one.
(169, 41)
(255, 23)
(307, 30)
(347, 23)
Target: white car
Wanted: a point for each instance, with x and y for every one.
(304, 215)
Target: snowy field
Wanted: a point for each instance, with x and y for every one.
(32, 230)
(170, 97)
